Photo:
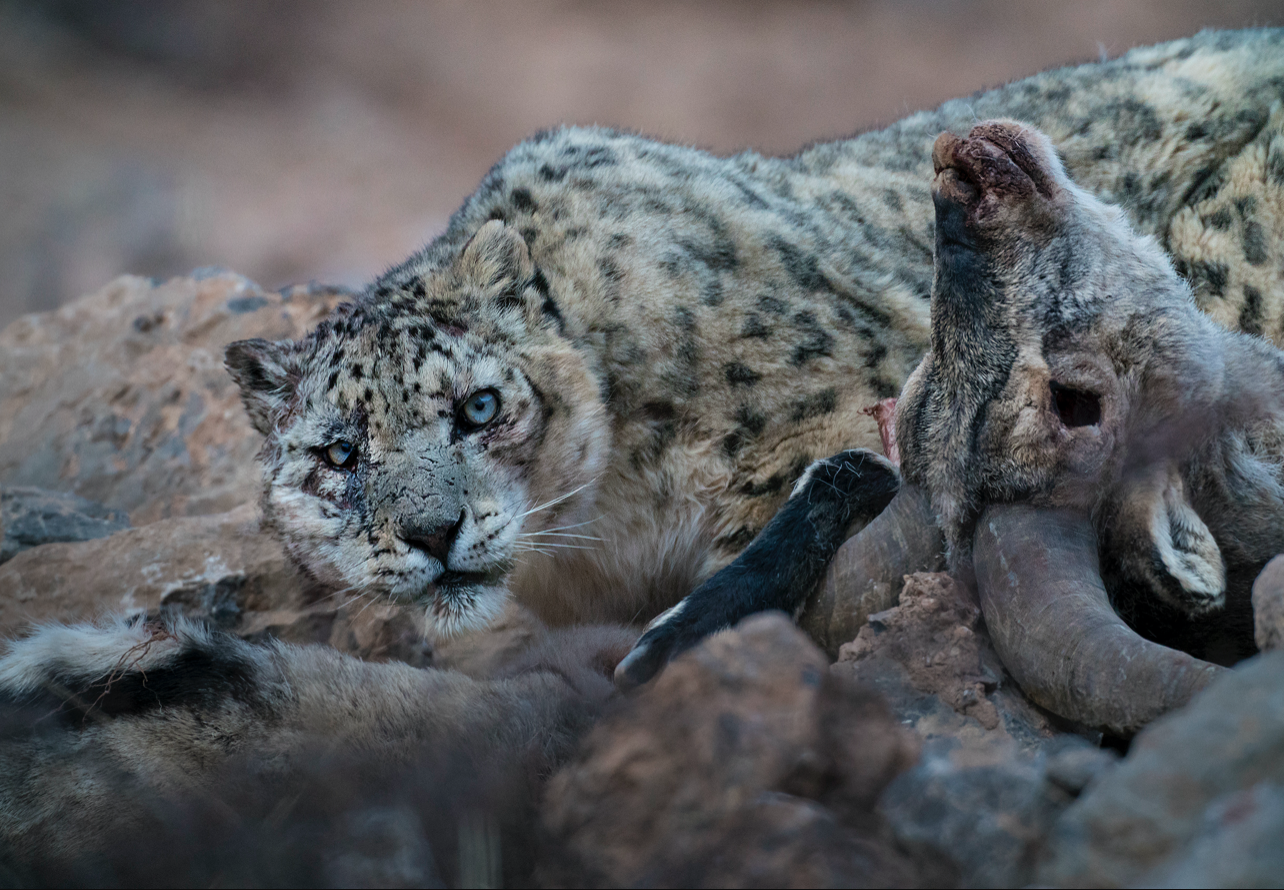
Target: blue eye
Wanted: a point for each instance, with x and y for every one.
(479, 409)
(339, 454)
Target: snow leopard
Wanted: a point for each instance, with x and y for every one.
(597, 385)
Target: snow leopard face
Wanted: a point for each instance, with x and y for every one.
(418, 448)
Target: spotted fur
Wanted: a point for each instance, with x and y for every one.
(674, 336)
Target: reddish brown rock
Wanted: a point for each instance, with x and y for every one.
(121, 397)
(746, 763)
(933, 635)
(931, 657)
(223, 568)
(996, 770)
(201, 563)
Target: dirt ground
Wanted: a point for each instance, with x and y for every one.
(302, 139)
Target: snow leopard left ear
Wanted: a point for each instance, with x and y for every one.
(498, 261)
(267, 374)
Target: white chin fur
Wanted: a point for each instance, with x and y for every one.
(463, 611)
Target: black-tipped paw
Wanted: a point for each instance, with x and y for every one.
(780, 568)
(667, 637)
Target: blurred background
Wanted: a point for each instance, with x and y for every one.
(300, 140)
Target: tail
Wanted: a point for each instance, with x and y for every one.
(128, 666)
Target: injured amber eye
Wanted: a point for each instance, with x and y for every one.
(1076, 407)
(339, 454)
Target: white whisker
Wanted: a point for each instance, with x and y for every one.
(529, 545)
(556, 500)
(558, 528)
(559, 535)
(557, 545)
(338, 593)
(373, 600)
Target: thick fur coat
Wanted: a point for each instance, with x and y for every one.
(1070, 368)
(595, 388)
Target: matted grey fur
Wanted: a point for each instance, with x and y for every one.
(1070, 368)
(1081, 422)
(1083, 437)
(1072, 374)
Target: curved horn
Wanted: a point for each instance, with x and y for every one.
(867, 573)
(1052, 624)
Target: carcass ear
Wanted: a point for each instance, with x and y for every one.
(1161, 548)
(1188, 551)
(267, 374)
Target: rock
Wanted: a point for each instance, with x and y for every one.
(996, 769)
(1268, 606)
(225, 570)
(214, 566)
(220, 568)
(1188, 780)
(933, 660)
(1237, 844)
(989, 819)
(1071, 765)
(31, 516)
(930, 640)
(121, 397)
(746, 763)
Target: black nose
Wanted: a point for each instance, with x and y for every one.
(433, 541)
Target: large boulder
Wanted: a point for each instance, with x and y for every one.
(220, 564)
(224, 569)
(745, 764)
(1202, 778)
(121, 396)
(1237, 844)
(116, 409)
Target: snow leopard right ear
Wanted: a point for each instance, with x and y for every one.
(267, 374)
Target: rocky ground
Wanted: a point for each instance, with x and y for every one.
(127, 482)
